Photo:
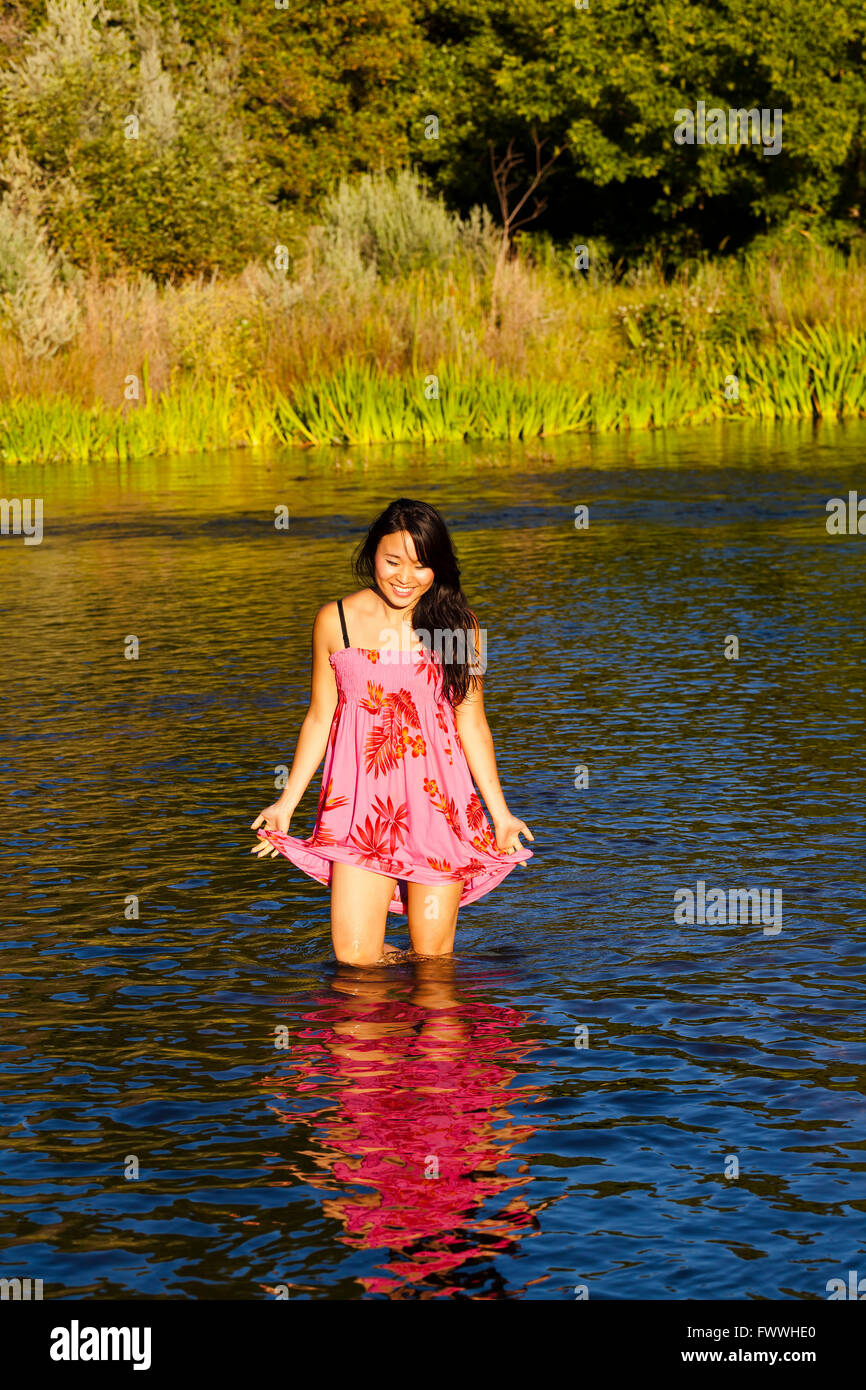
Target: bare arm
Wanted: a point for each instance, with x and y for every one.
(313, 737)
(477, 742)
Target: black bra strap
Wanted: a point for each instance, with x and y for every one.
(342, 622)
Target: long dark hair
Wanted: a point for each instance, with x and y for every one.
(443, 608)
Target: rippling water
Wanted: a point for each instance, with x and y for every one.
(590, 1098)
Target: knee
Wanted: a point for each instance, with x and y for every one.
(350, 957)
(354, 948)
(431, 940)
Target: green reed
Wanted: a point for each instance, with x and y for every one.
(815, 372)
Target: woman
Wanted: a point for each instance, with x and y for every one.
(403, 732)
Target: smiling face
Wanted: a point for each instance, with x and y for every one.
(400, 576)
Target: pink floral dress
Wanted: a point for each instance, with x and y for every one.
(397, 795)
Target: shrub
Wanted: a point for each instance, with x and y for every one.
(140, 141)
(38, 297)
(390, 225)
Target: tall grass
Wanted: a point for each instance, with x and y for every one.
(812, 373)
(385, 330)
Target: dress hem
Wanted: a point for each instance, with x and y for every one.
(316, 860)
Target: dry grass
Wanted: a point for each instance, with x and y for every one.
(553, 326)
(266, 336)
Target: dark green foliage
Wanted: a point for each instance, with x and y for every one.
(606, 82)
(319, 91)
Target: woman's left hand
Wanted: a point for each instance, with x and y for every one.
(507, 833)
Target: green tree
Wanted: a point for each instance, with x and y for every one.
(136, 142)
(324, 88)
(271, 108)
(606, 82)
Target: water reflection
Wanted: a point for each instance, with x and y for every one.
(403, 1090)
(152, 1034)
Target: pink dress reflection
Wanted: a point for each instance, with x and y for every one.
(421, 1119)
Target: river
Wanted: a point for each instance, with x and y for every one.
(592, 1098)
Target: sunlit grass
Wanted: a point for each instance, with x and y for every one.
(318, 359)
(808, 373)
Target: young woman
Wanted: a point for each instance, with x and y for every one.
(398, 714)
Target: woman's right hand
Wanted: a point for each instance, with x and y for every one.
(277, 817)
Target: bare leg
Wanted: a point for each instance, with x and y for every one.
(359, 912)
(433, 917)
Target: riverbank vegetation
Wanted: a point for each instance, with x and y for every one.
(171, 281)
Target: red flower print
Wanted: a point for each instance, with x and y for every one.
(486, 842)
(379, 750)
(484, 839)
(328, 802)
(474, 812)
(338, 713)
(370, 653)
(440, 865)
(387, 742)
(467, 870)
(371, 839)
(447, 807)
(397, 819)
(404, 706)
(321, 835)
(430, 666)
(375, 698)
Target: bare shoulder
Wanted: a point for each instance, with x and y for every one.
(328, 613)
(326, 625)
